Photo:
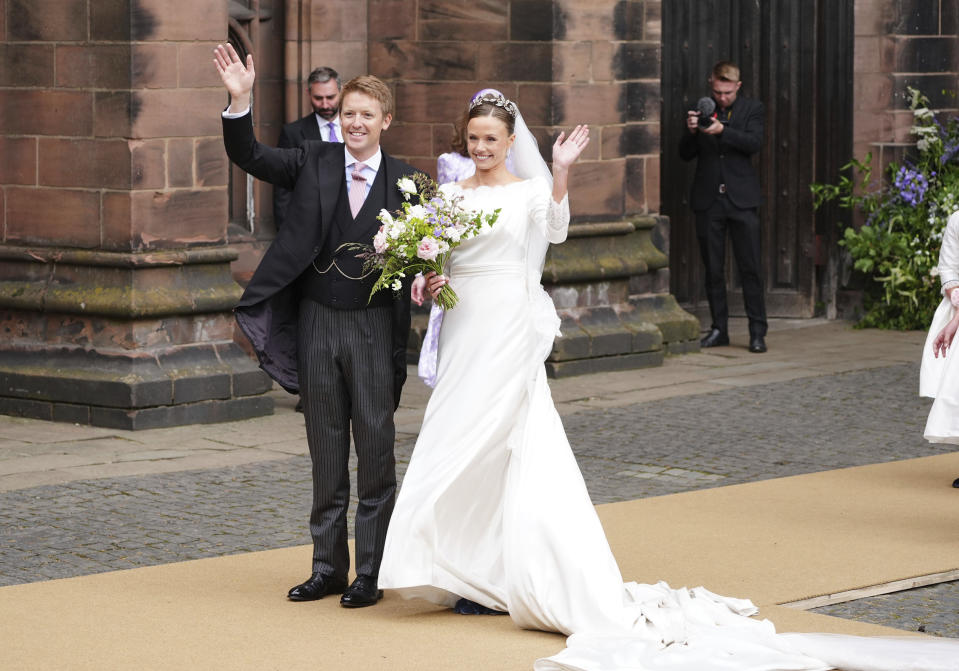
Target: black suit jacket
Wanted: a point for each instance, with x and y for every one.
(314, 172)
(293, 134)
(726, 158)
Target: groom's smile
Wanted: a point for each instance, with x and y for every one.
(362, 120)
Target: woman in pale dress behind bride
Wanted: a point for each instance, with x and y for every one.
(493, 513)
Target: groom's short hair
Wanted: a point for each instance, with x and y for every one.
(372, 86)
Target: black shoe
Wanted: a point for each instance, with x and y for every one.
(362, 592)
(955, 483)
(467, 607)
(317, 587)
(299, 406)
(714, 338)
(757, 345)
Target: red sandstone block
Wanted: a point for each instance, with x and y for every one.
(211, 162)
(868, 54)
(611, 141)
(3, 216)
(652, 170)
(594, 104)
(391, 20)
(84, 163)
(18, 164)
(45, 112)
(179, 161)
(871, 17)
(46, 20)
(196, 66)
(269, 106)
(596, 189)
(334, 20)
(110, 20)
(177, 112)
(426, 165)
(101, 66)
(572, 62)
(408, 140)
(442, 136)
(112, 113)
(178, 20)
(604, 60)
(536, 103)
(346, 57)
(432, 101)
(466, 20)
(154, 66)
(117, 224)
(3, 20)
(870, 127)
(586, 20)
(635, 185)
(530, 62)
(26, 65)
(654, 22)
(425, 60)
(872, 92)
(164, 219)
(147, 164)
(63, 216)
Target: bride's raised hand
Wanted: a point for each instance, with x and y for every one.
(567, 149)
(236, 76)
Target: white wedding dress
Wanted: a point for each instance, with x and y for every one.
(493, 507)
(939, 377)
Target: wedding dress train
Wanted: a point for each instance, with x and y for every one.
(493, 506)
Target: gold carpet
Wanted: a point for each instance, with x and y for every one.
(774, 542)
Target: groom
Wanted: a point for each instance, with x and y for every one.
(306, 314)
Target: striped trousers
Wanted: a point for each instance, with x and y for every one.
(346, 381)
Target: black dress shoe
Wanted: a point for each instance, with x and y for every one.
(467, 607)
(299, 406)
(757, 345)
(363, 592)
(955, 483)
(317, 587)
(714, 338)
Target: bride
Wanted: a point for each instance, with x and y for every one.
(493, 511)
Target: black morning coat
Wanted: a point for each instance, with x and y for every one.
(726, 158)
(293, 134)
(316, 172)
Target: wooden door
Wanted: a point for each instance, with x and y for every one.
(796, 57)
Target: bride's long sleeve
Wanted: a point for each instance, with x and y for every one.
(949, 254)
(548, 216)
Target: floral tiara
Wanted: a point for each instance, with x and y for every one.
(499, 101)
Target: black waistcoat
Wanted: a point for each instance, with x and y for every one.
(337, 288)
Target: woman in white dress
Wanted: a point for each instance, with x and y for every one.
(493, 508)
(939, 374)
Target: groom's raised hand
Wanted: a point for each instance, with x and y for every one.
(237, 77)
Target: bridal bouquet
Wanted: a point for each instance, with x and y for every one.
(420, 237)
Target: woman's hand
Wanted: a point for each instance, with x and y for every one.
(435, 282)
(418, 289)
(944, 340)
(236, 77)
(567, 149)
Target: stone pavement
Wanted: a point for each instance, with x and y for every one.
(76, 500)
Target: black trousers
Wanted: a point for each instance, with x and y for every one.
(743, 228)
(346, 381)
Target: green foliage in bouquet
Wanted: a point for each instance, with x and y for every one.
(898, 246)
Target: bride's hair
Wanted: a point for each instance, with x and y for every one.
(488, 106)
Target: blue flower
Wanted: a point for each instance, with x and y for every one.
(911, 184)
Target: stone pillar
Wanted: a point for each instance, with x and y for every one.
(564, 62)
(115, 284)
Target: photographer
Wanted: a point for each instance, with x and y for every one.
(722, 135)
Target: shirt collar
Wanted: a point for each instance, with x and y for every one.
(323, 122)
(373, 162)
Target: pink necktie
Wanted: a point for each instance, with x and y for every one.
(357, 188)
(333, 137)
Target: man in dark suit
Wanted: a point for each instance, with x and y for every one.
(306, 314)
(323, 123)
(725, 197)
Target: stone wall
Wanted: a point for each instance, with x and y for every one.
(115, 285)
(898, 44)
